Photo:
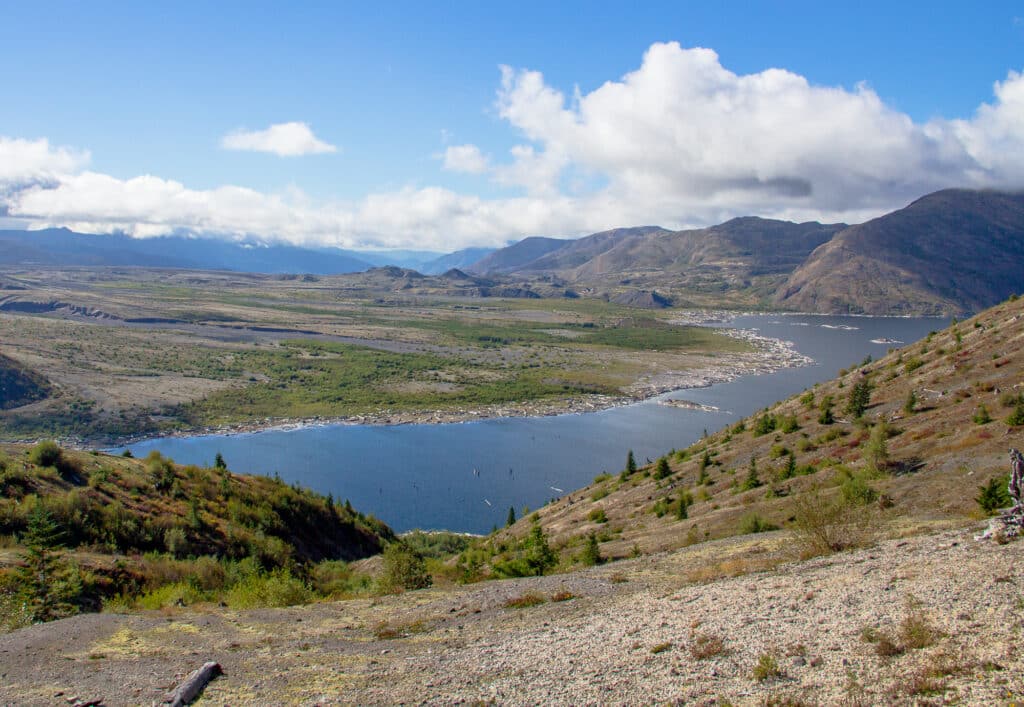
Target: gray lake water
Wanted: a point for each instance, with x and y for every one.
(465, 476)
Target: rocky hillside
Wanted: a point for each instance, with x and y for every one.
(904, 441)
(950, 252)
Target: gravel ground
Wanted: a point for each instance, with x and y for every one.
(635, 632)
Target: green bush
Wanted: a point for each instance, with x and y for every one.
(597, 515)
(1016, 418)
(764, 424)
(981, 416)
(591, 554)
(271, 589)
(662, 469)
(753, 523)
(404, 569)
(46, 453)
(994, 495)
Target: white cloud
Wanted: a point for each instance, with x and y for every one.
(26, 161)
(282, 139)
(687, 139)
(465, 158)
(681, 141)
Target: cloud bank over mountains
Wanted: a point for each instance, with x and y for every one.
(680, 141)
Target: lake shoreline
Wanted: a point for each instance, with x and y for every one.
(771, 355)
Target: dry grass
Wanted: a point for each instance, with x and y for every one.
(526, 600)
(704, 646)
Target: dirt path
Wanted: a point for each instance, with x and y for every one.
(631, 634)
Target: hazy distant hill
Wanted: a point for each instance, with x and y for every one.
(462, 259)
(518, 255)
(62, 247)
(950, 252)
(726, 255)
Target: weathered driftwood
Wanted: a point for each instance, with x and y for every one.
(1010, 523)
(194, 684)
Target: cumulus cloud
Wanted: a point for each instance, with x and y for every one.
(31, 161)
(282, 139)
(681, 141)
(684, 130)
(465, 158)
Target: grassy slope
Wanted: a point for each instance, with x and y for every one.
(112, 506)
(114, 382)
(938, 454)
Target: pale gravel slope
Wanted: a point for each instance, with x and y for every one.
(594, 649)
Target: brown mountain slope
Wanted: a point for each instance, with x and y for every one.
(748, 254)
(950, 252)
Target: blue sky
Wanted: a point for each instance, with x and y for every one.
(416, 137)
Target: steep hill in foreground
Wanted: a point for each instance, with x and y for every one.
(108, 509)
(939, 417)
(950, 252)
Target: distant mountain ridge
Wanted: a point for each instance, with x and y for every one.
(955, 251)
(62, 247)
(952, 252)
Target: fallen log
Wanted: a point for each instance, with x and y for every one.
(194, 684)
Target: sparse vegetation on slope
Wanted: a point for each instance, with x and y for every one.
(888, 446)
(150, 532)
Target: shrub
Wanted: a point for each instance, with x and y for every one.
(981, 416)
(764, 424)
(860, 396)
(910, 404)
(597, 515)
(526, 600)
(46, 453)
(662, 469)
(591, 554)
(1016, 418)
(404, 569)
(752, 481)
(994, 495)
(661, 647)
(825, 525)
(876, 454)
(855, 490)
(272, 589)
(704, 646)
(753, 523)
(826, 417)
(790, 424)
(767, 667)
(917, 632)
